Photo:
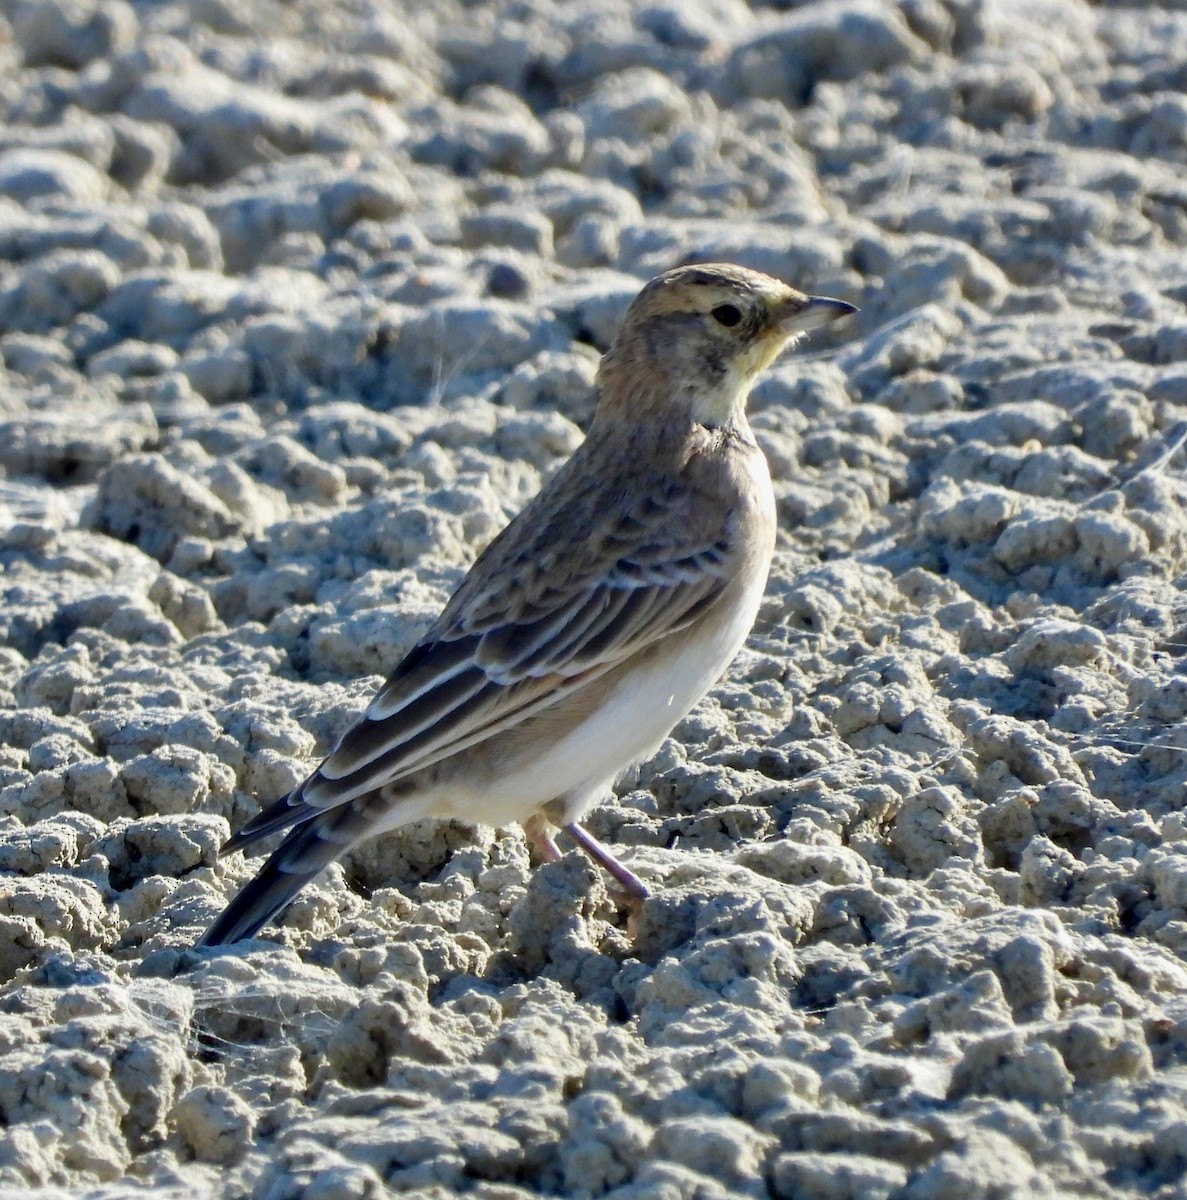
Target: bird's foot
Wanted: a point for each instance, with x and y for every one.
(631, 891)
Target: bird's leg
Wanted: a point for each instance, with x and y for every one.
(633, 888)
(539, 834)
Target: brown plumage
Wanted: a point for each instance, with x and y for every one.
(593, 623)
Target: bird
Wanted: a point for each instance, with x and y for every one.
(591, 625)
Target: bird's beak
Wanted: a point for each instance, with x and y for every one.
(799, 314)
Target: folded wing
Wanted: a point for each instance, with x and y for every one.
(529, 636)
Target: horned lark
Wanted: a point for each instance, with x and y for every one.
(592, 624)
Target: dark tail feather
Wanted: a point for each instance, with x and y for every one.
(280, 816)
(304, 854)
(289, 810)
(256, 904)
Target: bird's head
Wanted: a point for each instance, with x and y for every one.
(699, 336)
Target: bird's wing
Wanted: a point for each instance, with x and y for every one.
(528, 627)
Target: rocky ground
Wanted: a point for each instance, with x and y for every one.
(300, 302)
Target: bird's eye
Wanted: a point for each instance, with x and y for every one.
(726, 314)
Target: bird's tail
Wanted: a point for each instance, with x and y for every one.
(304, 853)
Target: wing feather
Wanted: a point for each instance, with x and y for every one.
(477, 673)
(456, 695)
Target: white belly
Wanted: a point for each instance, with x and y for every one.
(628, 728)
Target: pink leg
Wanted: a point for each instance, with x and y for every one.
(542, 840)
(635, 889)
